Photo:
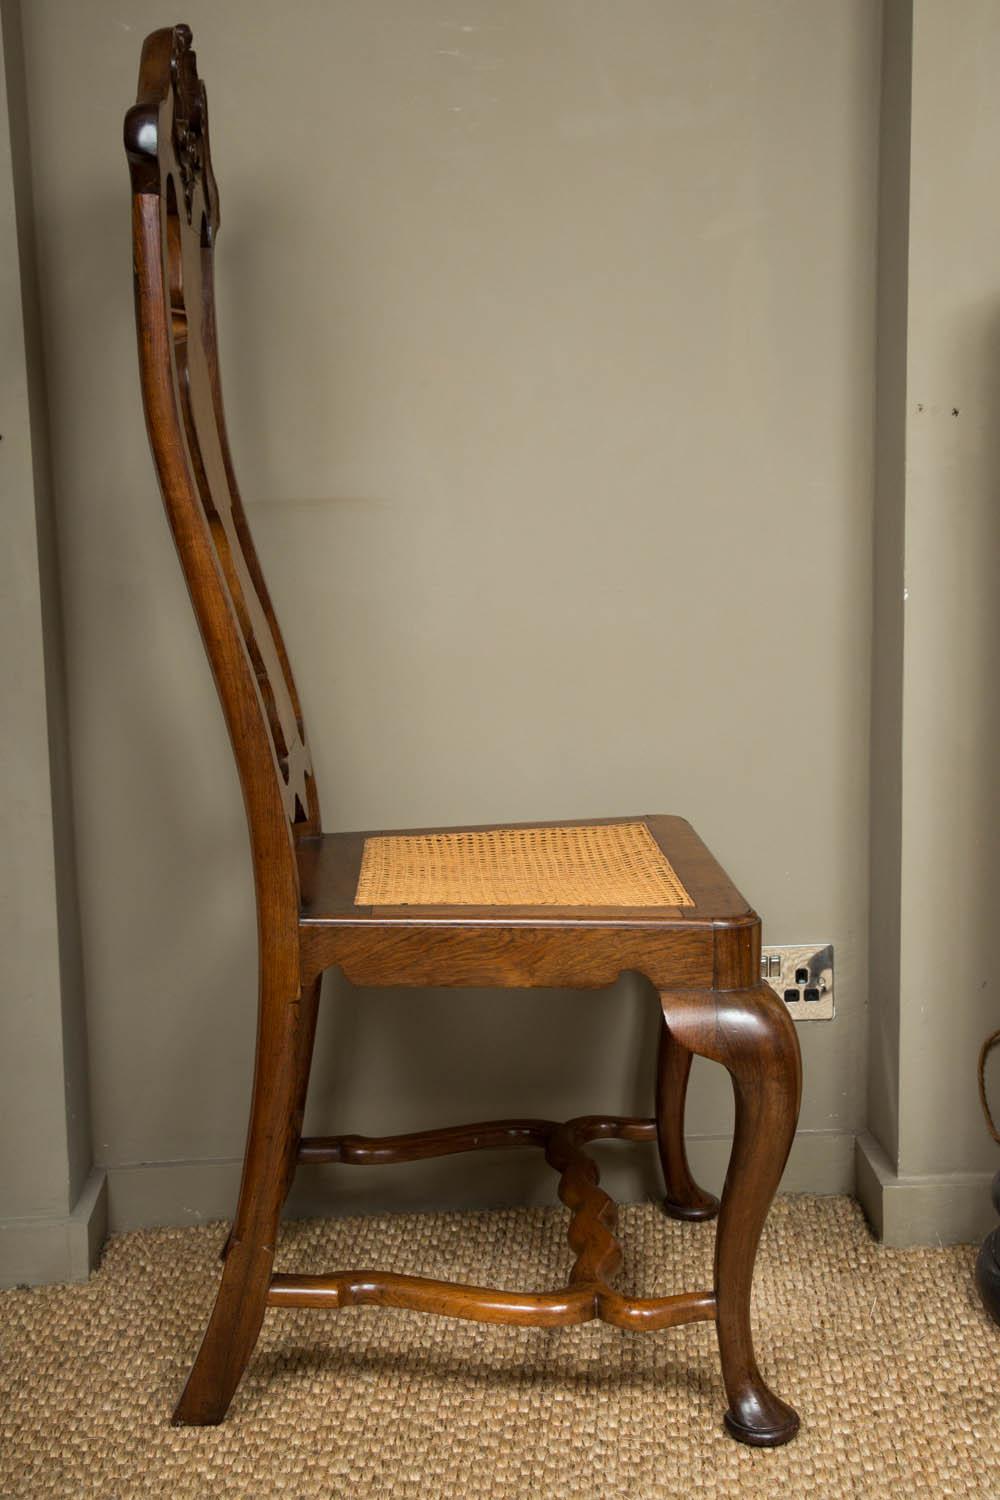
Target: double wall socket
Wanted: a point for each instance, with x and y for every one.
(802, 976)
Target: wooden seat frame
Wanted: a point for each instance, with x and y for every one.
(703, 960)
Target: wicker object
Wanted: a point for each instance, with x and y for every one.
(609, 864)
(395, 1406)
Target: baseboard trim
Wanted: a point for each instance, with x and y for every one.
(150, 1194)
(951, 1208)
(39, 1251)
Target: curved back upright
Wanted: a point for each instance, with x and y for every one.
(175, 217)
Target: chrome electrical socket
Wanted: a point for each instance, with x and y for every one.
(802, 976)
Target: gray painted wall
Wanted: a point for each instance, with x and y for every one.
(951, 706)
(937, 567)
(887, 559)
(52, 1208)
(549, 346)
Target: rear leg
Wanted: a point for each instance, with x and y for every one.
(685, 1199)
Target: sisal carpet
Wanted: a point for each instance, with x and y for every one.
(886, 1353)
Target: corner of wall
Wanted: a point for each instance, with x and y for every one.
(53, 1202)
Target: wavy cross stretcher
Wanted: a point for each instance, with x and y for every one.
(591, 1234)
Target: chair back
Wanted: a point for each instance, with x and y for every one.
(175, 218)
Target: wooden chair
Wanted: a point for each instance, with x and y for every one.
(543, 905)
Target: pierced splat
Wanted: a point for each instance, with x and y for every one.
(178, 213)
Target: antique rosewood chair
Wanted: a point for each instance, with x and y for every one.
(542, 905)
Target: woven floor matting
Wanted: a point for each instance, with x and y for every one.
(886, 1353)
(610, 864)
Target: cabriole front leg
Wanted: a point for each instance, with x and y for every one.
(749, 1031)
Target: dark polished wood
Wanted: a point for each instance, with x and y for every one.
(591, 1233)
(988, 1260)
(685, 1199)
(751, 1033)
(702, 960)
(988, 1263)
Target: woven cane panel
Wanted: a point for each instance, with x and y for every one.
(613, 864)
